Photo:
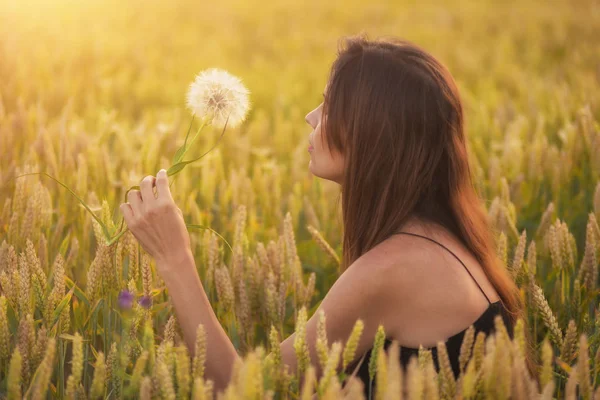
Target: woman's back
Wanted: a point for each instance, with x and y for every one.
(484, 323)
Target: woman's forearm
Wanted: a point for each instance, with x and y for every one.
(192, 308)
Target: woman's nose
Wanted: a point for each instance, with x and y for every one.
(309, 119)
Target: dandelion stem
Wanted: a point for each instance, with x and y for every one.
(188, 132)
(186, 148)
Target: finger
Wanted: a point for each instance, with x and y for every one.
(147, 188)
(162, 185)
(127, 212)
(134, 197)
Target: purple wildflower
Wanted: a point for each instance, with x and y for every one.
(125, 299)
(145, 301)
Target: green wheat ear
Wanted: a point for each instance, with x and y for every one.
(104, 228)
(111, 240)
(177, 167)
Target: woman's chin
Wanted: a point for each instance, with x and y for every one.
(311, 167)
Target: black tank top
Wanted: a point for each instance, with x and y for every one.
(485, 323)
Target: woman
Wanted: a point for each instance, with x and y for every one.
(418, 253)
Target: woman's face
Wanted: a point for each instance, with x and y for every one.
(322, 163)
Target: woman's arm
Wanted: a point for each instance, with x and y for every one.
(358, 294)
(158, 224)
(363, 291)
(193, 308)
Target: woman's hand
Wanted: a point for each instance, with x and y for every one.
(156, 222)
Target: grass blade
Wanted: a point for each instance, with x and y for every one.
(59, 308)
(78, 292)
(194, 226)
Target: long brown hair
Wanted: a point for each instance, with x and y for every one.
(395, 113)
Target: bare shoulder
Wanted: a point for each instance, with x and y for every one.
(413, 287)
(427, 295)
(355, 295)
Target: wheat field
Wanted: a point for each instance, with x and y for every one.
(93, 94)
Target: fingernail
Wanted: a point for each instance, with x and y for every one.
(163, 171)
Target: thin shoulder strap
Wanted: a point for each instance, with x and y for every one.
(425, 237)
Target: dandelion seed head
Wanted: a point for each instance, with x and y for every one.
(217, 95)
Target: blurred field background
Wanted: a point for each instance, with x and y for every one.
(93, 94)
